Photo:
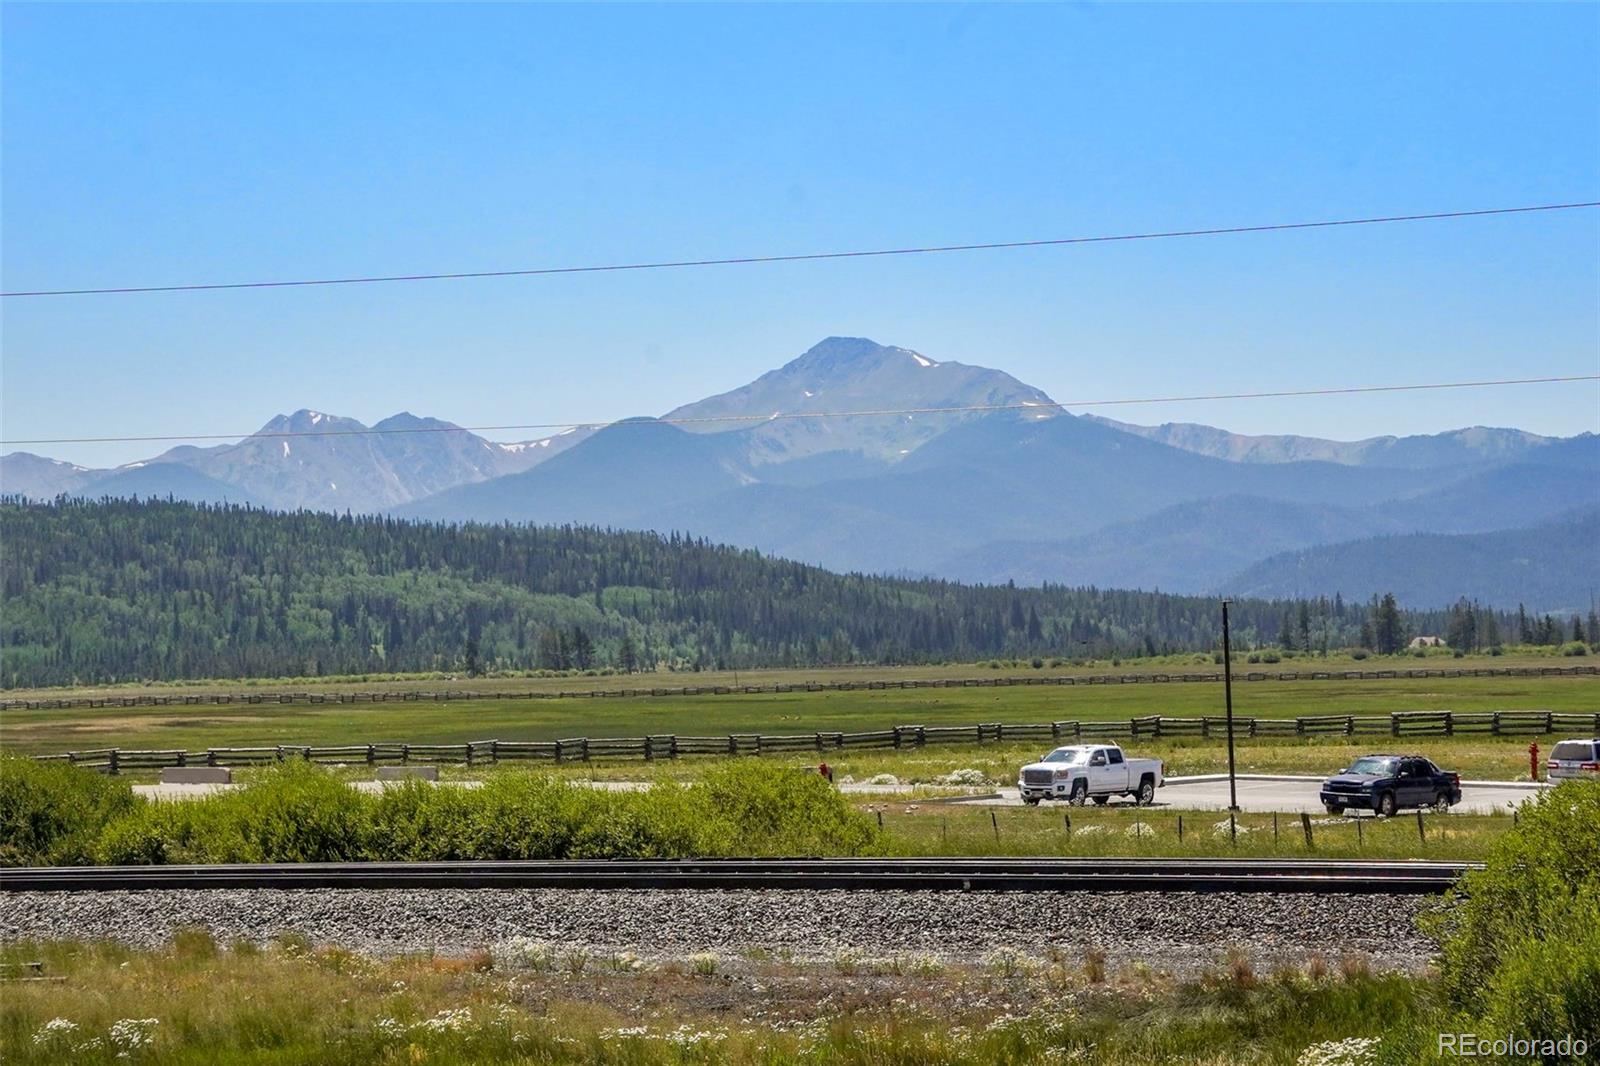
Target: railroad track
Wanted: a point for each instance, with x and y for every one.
(936, 874)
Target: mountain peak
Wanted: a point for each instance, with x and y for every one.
(852, 355)
(854, 374)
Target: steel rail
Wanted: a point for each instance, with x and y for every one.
(1410, 877)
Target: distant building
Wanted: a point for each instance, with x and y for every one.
(1426, 642)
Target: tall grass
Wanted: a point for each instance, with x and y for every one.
(195, 1002)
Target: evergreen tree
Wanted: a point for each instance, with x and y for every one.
(582, 648)
(1387, 628)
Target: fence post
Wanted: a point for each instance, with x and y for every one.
(405, 753)
(1305, 823)
(372, 754)
(116, 756)
(994, 821)
(1394, 724)
(1067, 815)
(1449, 725)
(1180, 829)
(1361, 837)
(1422, 833)
(494, 751)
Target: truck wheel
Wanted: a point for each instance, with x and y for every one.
(1080, 791)
(1386, 805)
(1147, 791)
(1101, 801)
(1441, 803)
(1032, 801)
(1333, 808)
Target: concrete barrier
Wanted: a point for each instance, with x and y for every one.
(402, 773)
(197, 775)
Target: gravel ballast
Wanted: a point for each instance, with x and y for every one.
(1173, 931)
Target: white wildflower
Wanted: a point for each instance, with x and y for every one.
(524, 953)
(55, 1029)
(453, 1020)
(132, 1034)
(1352, 1051)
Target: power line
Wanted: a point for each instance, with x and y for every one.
(804, 257)
(792, 415)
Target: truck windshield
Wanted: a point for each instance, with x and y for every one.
(1376, 767)
(1067, 755)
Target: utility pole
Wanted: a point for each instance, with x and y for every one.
(1227, 695)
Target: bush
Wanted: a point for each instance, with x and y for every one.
(1574, 647)
(52, 813)
(302, 813)
(1359, 654)
(1521, 940)
(1270, 656)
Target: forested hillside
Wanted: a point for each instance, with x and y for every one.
(119, 590)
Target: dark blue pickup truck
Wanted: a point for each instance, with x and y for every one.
(1388, 783)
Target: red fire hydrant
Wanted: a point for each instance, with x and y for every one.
(1533, 760)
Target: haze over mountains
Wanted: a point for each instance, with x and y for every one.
(982, 495)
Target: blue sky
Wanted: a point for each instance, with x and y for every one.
(181, 143)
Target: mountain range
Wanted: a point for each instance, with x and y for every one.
(1008, 488)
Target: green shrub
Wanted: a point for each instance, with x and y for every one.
(52, 813)
(1549, 984)
(757, 811)
(300, 813)
(1574, 647)
(290, 813)
(1270, 656)
(1521, 938)
(413, 821)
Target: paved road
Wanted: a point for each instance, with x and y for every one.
(1293, 795)
(1207, 793)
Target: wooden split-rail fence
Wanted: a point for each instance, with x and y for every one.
(672, 746)
(449, 696)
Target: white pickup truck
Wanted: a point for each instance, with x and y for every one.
(1081, 772)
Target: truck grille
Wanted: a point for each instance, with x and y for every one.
(1346, 787)
(1038, 777)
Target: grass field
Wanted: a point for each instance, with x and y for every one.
(33, 732)
(910, 828)
(196, 1002)
(544, 681)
